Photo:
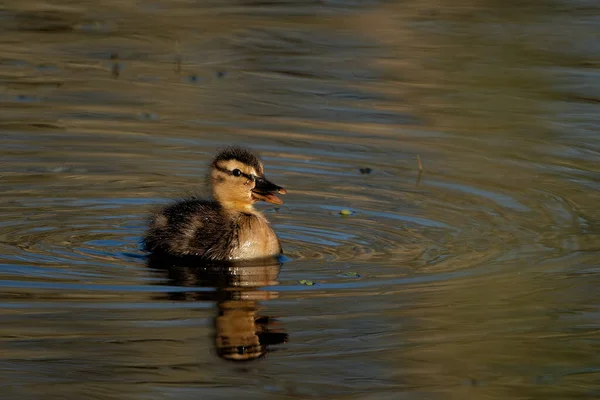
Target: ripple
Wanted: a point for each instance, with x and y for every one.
(442, 226)
(439, 227)
(64, 240)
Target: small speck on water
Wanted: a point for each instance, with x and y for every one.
(351, 275)
(306, 282)
(365, 171)
(149, 116)
(59, 169)
(115, 70)
(346, 212)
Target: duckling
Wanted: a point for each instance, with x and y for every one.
(227, 227)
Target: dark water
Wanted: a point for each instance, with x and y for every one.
(477, 279)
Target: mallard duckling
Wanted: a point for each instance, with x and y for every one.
(228, 227)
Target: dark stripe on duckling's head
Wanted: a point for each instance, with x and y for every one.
(242, 155)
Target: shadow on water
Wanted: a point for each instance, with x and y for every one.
(241, 334)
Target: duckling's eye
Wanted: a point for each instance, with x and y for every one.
(236, 172)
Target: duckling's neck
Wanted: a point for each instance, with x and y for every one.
(233, 207)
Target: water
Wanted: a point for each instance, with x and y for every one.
(477, 278)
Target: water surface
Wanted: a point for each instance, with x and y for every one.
(476, 278)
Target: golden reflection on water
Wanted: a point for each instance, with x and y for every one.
(241, 334)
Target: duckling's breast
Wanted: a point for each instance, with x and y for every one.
(255, 238)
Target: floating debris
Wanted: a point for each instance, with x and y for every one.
(346, 212)
(115, 70)
(351, 275)
(149, 116)
(420, 167)
(306, 282)
(365, 171)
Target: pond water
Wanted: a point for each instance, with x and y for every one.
(476, 278)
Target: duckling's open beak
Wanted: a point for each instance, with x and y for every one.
(264, 189)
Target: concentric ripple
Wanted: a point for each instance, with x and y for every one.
(398, 223)
(439, 223)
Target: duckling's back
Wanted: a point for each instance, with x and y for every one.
(191, 227)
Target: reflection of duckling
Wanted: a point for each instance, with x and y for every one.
(228, 227)
(241, 333)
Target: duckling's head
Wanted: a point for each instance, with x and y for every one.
(238, 180)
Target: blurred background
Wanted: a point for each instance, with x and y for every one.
(476, 278)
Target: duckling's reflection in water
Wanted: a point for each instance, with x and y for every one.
(240, 333)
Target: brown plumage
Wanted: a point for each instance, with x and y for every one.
(227, 227)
